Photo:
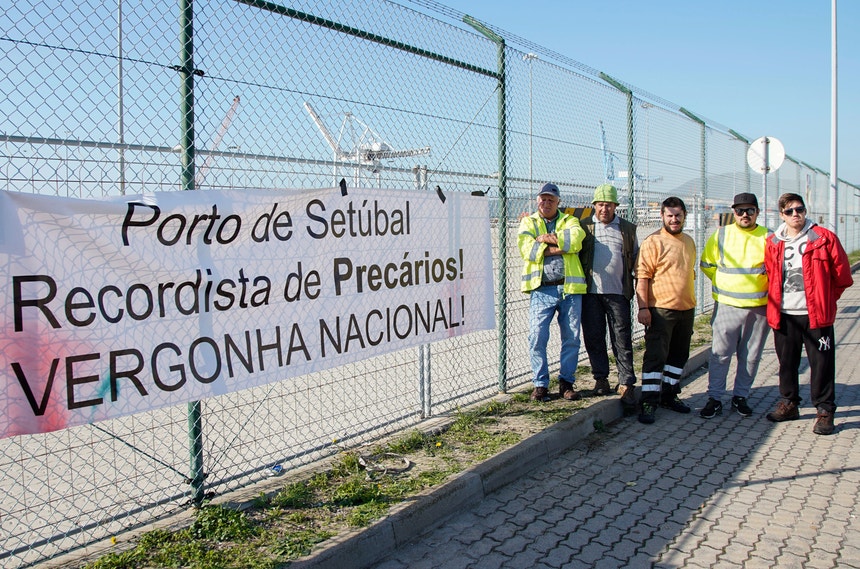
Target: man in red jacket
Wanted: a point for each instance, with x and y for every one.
(807, 272)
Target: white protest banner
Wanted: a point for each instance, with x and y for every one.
(122, 306)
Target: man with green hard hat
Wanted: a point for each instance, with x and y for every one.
(608, 260)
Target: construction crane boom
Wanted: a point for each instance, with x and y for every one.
(367, 149)
(338, 152)
(608, 157)
(225, 124)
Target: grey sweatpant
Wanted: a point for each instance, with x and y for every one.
(740, 331)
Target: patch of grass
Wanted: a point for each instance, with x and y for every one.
(218, 523)
(551, 414)
(362, 515)
(318, 480)
(410, 442)
(260, 501)
(300, 517)
(701, 331)
(188, 548)
(355, 490)
(298, 544)
(348, 464)
(522, 397)
(470, 431)
(295, 495)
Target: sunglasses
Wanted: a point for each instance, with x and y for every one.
(800, 210)
(750, 211)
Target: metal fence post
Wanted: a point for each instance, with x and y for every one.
(503, 203)
(744, 166)
(700, 236)
(187, 72)
(631, 176)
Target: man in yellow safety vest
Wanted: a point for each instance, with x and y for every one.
(549, 241)
(733, 259)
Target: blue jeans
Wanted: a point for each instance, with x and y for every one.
(544, 303)
(597, 309)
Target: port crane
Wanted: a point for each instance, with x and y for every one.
(367, 149)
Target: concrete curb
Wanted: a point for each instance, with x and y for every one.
(429, 510)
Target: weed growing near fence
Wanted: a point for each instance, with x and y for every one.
(357, 489)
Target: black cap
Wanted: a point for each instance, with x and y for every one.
(551, 189)
(745, 197)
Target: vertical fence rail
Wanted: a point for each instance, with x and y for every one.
(98, 102)
(503, 201)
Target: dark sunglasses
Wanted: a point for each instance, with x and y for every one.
(790, 211)
(750, 211)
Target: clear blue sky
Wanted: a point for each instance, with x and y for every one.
(758, 67)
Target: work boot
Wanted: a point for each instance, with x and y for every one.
(785, 411)
(648, 412)
(601, 386)
(566, 391)
(823, 423)
(563, 386)
(540, 394)
(628, 399)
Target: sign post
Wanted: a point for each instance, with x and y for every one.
(765, 155)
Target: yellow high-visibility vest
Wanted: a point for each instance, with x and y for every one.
(733, 259)
(570, 235)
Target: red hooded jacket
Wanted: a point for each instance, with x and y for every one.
(826, 274)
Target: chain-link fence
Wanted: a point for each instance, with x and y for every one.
(127, 97)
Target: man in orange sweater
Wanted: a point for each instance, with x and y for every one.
(665, 293)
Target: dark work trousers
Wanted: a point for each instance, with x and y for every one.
(794, 334)
(667, 349)
(597, 310)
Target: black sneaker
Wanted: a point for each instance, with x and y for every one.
(648, 413)
(712, 408)
(675, 404)
(739, 404)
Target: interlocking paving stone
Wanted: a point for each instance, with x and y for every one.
(685, 492)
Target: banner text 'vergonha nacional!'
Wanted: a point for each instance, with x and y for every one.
(122, 306)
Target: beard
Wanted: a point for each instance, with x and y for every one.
(674, 231)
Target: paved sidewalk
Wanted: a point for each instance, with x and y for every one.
(685, 492)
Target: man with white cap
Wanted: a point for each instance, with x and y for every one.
(548, 241)
(608, 259)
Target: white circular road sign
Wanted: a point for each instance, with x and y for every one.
(765, 154)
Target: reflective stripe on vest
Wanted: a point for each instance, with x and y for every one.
(740, 295)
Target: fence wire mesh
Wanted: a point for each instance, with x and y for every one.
(99, 100)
